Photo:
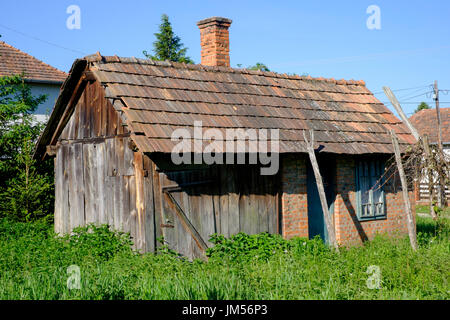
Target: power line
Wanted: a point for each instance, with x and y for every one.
(421, 87)
(419, 95)
(413, 93)
(41, 40)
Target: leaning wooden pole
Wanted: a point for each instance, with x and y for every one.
(323, 199)
(409, 216)
(390, 95)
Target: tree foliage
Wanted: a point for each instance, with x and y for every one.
(25, 186)
(422, 106)
(167, 45)
(259, 66)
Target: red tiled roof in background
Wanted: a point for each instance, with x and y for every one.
(13, 61)
(425, 121)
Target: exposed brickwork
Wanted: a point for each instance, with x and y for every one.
(349, 230)
(294, 200)
(215, 41)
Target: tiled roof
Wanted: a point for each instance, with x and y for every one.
(425, 121)
(155, 98)
(14, 61)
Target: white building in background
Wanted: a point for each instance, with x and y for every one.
(425, 121)
(41, 77)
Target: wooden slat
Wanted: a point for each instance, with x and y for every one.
(101, 183)
(59, 191)
(65, 170)
(90, 183)
(140, 201)
(233, 202)
(186, 223)
(76, 186)
(224, 201)
(129, 212)
(150, 230)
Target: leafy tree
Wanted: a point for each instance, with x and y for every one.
(25, 186)
(259, 66)
(422, 106)
(168, 46)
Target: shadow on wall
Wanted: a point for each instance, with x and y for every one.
(351, 210)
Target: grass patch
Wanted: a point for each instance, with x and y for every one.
(34, 266)
(425, 209)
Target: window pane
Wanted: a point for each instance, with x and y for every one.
(371, 189)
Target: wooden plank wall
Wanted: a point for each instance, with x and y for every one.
(98, 177)
(217, 199)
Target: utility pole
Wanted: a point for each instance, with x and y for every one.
(441, 185)
(436, 99)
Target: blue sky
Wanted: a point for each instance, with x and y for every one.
(320, 38)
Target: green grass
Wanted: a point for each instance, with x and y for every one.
(34, 264)
(426, 209)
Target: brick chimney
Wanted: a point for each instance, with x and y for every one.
(215, 41)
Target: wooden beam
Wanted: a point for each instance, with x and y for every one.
(89, 76)
(399, 109)
(407, 203)
(323, 198)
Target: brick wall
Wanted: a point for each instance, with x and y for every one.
(351, 231)
(294, 201)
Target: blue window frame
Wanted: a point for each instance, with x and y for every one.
(370, 190)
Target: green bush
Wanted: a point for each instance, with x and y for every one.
(98, 241)
(243, 247)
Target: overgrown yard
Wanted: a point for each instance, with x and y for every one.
(34, 266)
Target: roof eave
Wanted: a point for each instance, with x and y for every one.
(55, 82)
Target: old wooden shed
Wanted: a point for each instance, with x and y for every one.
(111, 134)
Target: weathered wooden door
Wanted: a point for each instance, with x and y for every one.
(217, 199)
(316, 222)
(188, 213)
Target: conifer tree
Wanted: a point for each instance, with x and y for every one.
(168, 46)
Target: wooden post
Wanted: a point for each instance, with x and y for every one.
(399, 109)
(323, 199)
(409, 216)
(441, 184)
(438, 114)
(429, 155)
